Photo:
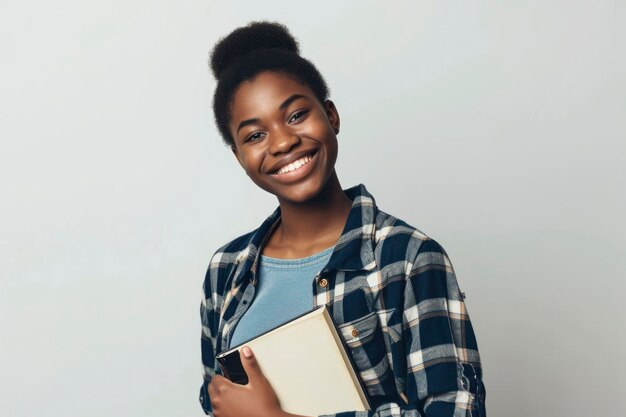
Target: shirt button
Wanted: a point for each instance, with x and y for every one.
(355, 332)
(323, 283)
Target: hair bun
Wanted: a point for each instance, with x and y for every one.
(243, 40)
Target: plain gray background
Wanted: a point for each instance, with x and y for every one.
(495, 127)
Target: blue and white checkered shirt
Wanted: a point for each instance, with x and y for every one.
(414, 348)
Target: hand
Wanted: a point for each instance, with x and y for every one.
(255, 399)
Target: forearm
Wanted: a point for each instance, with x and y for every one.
(383, 410)
(286, 414)
(447, 404)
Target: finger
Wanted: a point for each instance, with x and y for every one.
(216, 386)
(213, 384)
(214, 397)
(250, 364)
(211, 390)
(219, 379)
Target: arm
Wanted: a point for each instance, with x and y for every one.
(220, 397)
(207, 340)
(439, 339)
(443, 375)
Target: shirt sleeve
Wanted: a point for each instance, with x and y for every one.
(443, 371)
(208, 316)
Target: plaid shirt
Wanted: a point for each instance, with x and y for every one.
(414, 347)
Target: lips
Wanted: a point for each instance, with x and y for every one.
(297, 164)
(301, 169)
(285, 161)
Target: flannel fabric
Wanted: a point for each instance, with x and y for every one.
(394, 297)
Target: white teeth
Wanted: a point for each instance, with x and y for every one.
(294, 165)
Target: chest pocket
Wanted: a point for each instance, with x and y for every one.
(365, 341)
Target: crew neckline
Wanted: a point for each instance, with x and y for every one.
(291, 262)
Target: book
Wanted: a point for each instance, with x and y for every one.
(306, 363)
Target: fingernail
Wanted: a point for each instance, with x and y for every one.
(247, 352)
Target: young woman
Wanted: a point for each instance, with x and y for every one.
(390, 288)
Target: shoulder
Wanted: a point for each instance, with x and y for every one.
(230, 251)
(403, 250)
(223, 260)
(396, 240)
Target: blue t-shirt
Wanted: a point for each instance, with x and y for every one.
(284, 291)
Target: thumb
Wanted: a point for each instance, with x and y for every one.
(250, 365)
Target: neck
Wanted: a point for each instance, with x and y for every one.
(317, 222)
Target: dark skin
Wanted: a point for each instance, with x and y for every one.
(314, 208)
(276, 120)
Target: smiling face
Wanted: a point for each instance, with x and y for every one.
(284, 138)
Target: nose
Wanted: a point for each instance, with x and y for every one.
(283, 141)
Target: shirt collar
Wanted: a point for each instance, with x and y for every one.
(354, 250)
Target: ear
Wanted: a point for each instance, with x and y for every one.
(233, 148)
(332, 114)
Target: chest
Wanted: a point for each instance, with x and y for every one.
(358, 301)
(366, 307)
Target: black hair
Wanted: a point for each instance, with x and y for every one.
(249, 50)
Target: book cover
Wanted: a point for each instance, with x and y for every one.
(306, 363)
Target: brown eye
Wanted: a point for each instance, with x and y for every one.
(297, 116)
(254, 137)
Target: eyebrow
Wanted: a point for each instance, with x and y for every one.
(282, 106)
